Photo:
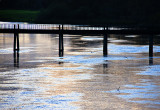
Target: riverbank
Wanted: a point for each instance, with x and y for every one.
(18, 15)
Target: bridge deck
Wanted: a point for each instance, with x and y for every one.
(45, 31)
(71, 29)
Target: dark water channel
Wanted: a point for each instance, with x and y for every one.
(37, 78)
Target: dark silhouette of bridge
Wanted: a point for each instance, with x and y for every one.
(74, 29)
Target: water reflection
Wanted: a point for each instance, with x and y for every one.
(61, 61)
(145, 92)
(105, 65)
(61, 53)
(16, 58)
(150, 60)
(82, 78)
(4, 41)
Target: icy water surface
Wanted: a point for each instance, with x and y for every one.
(37, 78)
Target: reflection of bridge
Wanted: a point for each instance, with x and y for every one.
(73, 29)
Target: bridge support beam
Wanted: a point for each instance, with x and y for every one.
(150, 46)
(16, 40)
(105, 45)
(61, 45)
(16, 58)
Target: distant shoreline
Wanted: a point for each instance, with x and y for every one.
(33, 17)
(18, 15)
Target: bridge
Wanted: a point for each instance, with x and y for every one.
(17, 29)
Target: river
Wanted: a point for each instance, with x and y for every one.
(83, 79)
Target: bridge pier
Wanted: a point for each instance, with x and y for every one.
(151, 46)
(105, 42)
(151, 50)
(105, 45)
(61, 45)
(16, 40)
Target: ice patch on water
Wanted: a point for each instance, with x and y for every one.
(117, 49)
(153, 70)
(10, 50)
(90, 59)
(55, 102)
(65, 68)
(82, 76)
(91, 39)
(29, 98)
(147, 92)
(37, 61)
(6, 51)
(59, 101)
(131, 36)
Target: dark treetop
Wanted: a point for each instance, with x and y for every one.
(138, 13)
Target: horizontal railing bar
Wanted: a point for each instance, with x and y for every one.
(57, 31)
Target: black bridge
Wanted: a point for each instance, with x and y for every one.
(74, 29)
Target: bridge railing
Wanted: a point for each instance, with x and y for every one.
(55, 27)
(29, 26)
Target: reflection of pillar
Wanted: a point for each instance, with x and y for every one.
(105, 66)
(16, 58)
(61, 46)
(105, 45)
(150, 60)
(4, 41)
(150, 46)
(61, 62)
(16, 40)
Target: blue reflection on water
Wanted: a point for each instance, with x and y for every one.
(49, 103)
(153, 70)
(10, 50)
(117, 49)
(146, 92)
(88, 59)
(29, 94)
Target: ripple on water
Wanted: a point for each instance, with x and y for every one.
(118, 49)
(31, 98)
(55, 102)
(10, 50)
(146, 92)
(151, 71)
(89, 59)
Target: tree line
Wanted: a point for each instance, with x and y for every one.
(110, 12)
(24, 4)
